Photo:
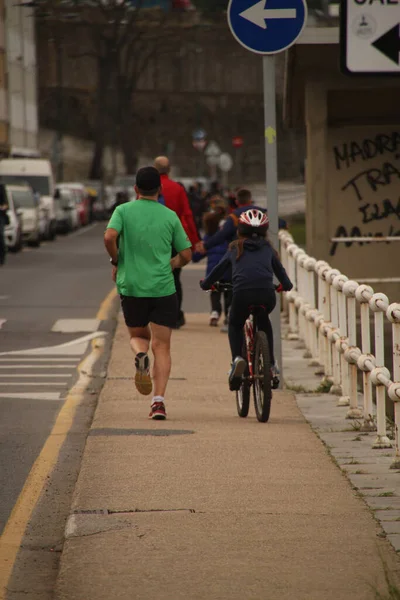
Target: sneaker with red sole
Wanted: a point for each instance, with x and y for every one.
(157, 411)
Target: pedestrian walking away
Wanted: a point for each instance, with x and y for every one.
(175, 198)
(212, 222)
(139, 238)
(254, 263)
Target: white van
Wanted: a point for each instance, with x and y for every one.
(39, 175)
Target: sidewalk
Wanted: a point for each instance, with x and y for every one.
(208, 506)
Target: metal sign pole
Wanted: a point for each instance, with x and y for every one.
(272, 185)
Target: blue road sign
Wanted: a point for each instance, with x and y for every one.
(267, 26)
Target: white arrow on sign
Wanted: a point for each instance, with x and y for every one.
(258, 13)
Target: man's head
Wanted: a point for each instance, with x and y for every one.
(243, 197)
(148, 183)
(162, 165)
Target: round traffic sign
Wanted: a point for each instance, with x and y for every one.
(199, 144)
(267, 27)
(237, 141)
(199, 134)
(225, 162)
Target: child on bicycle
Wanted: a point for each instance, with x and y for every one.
(212, 221)
(254, 263)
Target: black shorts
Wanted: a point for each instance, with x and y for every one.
(139, 312)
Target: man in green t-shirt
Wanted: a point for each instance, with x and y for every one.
(139, 240)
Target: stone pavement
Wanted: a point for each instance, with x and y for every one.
(367, 469)
(209, 506)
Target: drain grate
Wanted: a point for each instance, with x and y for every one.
(107, 511)
(106, 431)
(132, 378)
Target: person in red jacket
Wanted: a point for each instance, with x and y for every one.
(175, 198)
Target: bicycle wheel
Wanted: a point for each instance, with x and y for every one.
(262, 380)
(243, 395)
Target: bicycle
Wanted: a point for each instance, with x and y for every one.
(258, 371)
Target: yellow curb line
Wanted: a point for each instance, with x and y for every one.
(13, 533)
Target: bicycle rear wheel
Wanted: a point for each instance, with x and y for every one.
(243, 395)
(262, 380)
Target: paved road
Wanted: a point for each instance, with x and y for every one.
(66, 279)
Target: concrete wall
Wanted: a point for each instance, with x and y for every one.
(353, 165)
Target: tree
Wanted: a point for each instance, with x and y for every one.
(121, 37)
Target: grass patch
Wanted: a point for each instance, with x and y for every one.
(297, 228)
(386, 494)
(324, 387)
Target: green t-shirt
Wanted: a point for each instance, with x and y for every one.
(148, 230)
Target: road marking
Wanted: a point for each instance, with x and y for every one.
(82, 231)
(75, 325)
(32, 384)
(32, 395)
(36, 360)
(43, 466)
(2, 321)
(106, 305)
(74, 348)
(19, 366)
(41, 375)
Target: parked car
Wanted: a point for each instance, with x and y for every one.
(81, 198)
(28, 209)
(66, 210)
(12, 231)
(39, 175)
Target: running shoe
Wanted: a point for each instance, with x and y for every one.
(142, 378)
(157, 411)
(236, 373)
(214, 318)
(275, 379)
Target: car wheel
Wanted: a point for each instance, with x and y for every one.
(18, 244)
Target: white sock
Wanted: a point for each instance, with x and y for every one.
(157, 399)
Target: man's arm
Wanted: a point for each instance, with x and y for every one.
(186, 216)
(217, 272)
(181, 259)
(110, 242)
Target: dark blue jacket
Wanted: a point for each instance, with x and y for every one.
(214, 256)
(255, 269)
(228, 231)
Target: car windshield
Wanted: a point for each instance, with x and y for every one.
(23, 199)
(39, 183)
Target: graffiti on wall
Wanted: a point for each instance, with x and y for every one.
(373, 184)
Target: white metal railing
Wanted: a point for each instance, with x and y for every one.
(331, 313)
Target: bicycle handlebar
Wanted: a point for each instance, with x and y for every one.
(219, 286)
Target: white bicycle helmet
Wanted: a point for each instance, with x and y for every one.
(254, 218)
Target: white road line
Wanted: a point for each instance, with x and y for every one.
(19, 366)
(76, 325)
(2, 375)
(31, 395)
(2, 321)
(71, 527)
(37, 360)
(82, 231)
(74, 348)
(32, 384)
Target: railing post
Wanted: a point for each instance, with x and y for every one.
(302, 279)
(334, 334)
(364, 294)
(309, 265)
(297, 253)
(342, 342)
(379, 304)
(393, 314)
(353, 352)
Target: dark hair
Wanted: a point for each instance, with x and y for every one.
(148, 192)
(211, 222)
(243, 197)
(249, 233)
